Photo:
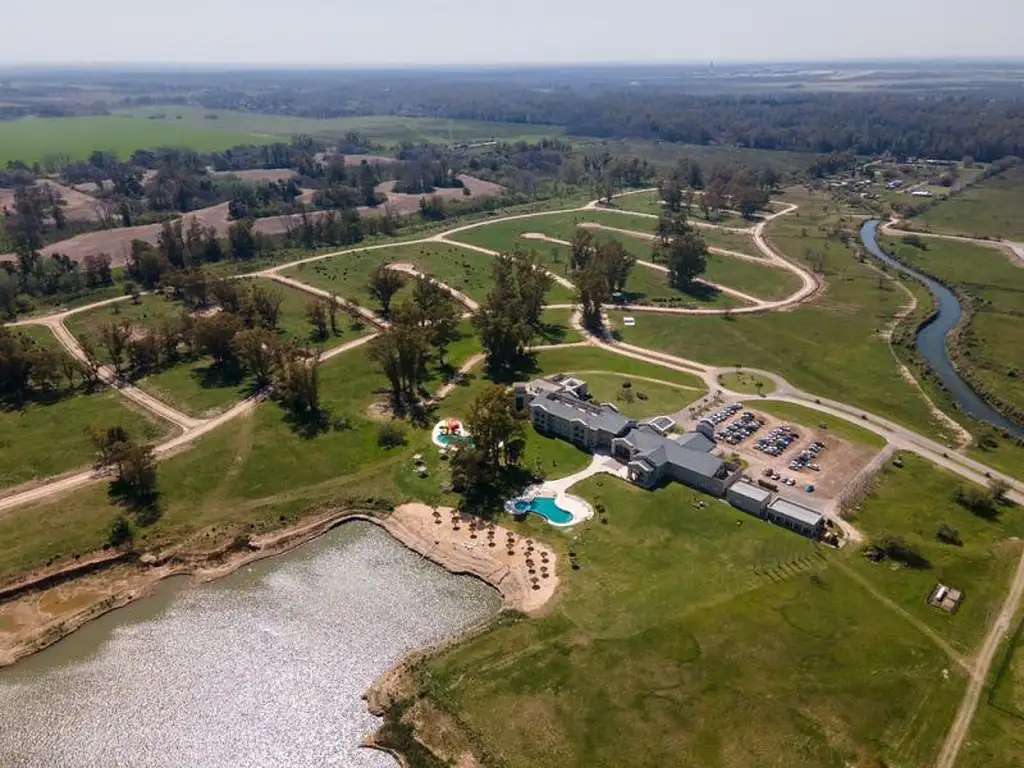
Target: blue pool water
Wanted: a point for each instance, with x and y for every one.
(546, 507)
(456, 440)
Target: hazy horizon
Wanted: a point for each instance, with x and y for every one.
(263, 34)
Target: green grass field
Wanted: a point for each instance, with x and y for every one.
(641, 399)
(48, 436)
(124, 131)
(991, 208)
(31, 139)
(650, 202)
(992, 349)
(557, 328)
(743, 381)
(699, 637)
(830, 346)
(913, 502)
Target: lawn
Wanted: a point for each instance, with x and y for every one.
(991, 208)
(913, 502)
(650, 202)
(647, 286)
(680, 624)
(991, 352)
(642, 399)
(48, 436)
(749, 383)
(557, 327)
(581, 359)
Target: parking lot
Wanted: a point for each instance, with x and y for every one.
(792, 457)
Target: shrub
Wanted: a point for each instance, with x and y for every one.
(390, 434)
(120, 532)
(948, 535)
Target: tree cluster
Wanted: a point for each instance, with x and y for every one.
(682, 249)
(498, 438)
(420, 330)
(509, 318)
(30, 371)
(600, 267)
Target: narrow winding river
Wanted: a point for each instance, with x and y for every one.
(931, 339)
(264, 668)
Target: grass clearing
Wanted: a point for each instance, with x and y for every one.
(715, 616)
(831, 346)
(198, 387)
(641, 399)
(912, 503)
(990, 208)
(557, 327)
(30, 139)
(48, 436)
(747, 382)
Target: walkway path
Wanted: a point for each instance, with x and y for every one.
(753, 300)
(979, 672)
(410, 269)
(1013, 251)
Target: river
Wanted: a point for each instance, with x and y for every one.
(931, 339)
(263, 668)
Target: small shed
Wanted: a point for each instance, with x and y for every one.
(749, 497)
(796, 517)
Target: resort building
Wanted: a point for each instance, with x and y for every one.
(587, 425)
(653, 458)
(558, 407)
(796, 517)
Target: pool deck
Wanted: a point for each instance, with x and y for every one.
(577, 507)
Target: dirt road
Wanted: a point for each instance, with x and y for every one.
(979, 671)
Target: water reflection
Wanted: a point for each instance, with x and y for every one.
(265, 668)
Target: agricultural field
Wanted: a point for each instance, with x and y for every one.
(208, 130)
(48, 435)
(31, 139)
(993, 344)
(717, 616)
(990, 209)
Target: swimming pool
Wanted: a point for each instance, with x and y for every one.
(546, 507)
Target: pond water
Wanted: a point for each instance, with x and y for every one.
(264, 668)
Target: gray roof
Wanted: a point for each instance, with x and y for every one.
(599, 417)
(659, 451)
(695, 441)
(796, 512)
(750, 491)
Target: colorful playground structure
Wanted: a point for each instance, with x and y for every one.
(450, 433)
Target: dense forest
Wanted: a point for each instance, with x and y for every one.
(938, 125)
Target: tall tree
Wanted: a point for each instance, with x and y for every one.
(683, 251)
(439, 315)
(384, 284)
(493, 423)
(316, 313)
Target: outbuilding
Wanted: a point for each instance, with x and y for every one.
(749, 497)
(796, 517)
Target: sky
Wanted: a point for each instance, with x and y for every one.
(443, 32)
